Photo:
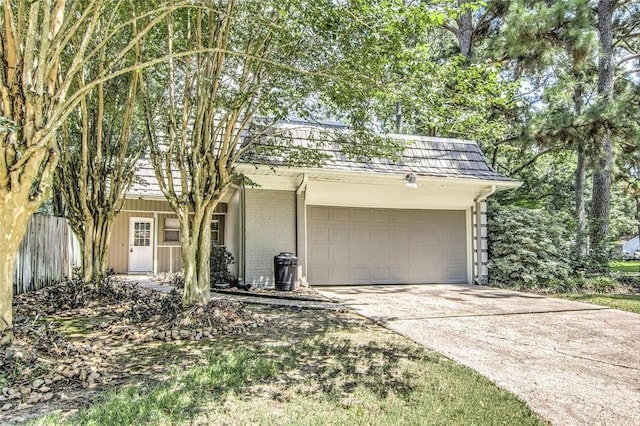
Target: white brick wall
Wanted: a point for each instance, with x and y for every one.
(270, 228)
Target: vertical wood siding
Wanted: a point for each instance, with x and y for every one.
(119, 249)
(47, 254)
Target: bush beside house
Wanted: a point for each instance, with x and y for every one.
(528, 248)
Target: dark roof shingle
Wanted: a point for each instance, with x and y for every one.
(425, 156)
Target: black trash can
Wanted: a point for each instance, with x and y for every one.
(285, 267)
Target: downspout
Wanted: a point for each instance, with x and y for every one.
(481, 197)
(155, 243)
(242, 270)
(480, 279)
(303, 184)
(301, 230)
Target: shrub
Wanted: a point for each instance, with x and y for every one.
(600, 284)
(527, 248)
(219, 264)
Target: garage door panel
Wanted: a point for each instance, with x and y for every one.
(339, 214)
(399, 236)
(400, 216)
(380, 246)
(360, 215)
(360, 235)
(420, 236)
(339, 275)
(380, 254)
(456, 274)
(318, 234)
(360, 255)
(318, 213)
(380, 275)
(319, 253)
(400, 255)
(359, 275)
(339, 234)
(380, 216)
(340, 254)
(380, 235)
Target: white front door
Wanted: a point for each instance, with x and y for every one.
(140, 244)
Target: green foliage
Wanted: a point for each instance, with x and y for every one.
(625, 266)
(623, 302)
(220, 260)
(527, 248)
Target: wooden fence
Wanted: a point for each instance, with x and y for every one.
(47, 254)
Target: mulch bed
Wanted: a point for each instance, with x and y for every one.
(44, 365)
(301, 293)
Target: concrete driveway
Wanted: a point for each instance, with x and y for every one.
(573, 363)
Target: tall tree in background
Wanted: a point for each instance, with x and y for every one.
(601, 197)
(473, 24)
(556, 45)
(618, 30)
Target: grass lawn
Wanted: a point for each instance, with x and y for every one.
(308, 367)
(624, 302)
(625, 266)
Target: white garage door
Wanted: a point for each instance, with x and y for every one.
(385, 246)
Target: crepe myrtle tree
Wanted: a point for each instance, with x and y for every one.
(258, 63)
(99, 148)
(44, 48)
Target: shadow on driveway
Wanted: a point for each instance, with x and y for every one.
(574, 363)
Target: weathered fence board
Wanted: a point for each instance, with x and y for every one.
(47, 254)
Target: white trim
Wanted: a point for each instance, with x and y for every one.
(469, 234)
(155, 242)
(132, 220)
(149, 211)
(391, 177)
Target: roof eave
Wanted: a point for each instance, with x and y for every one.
(500, 184)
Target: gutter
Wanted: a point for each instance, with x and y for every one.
(483, 196)
(303, 184)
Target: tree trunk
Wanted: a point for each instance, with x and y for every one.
(196, 279)
(95, 247)
(204, 254)
(638, 215)
(580, 249)
(464, 32)
(14, 219)
(602, 175)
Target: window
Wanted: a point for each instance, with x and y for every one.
(142, 234)
(171, 230)
(217, 230)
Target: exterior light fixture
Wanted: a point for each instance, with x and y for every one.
(411, 181)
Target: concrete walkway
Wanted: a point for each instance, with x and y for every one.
(573, 363)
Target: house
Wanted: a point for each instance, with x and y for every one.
(417, 220)
(631, 246)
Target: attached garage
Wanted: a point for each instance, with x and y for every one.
(419, 219)
(351, 246)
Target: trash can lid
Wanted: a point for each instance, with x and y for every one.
(286, 254)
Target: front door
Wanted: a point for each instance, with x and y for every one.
(140, 245)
